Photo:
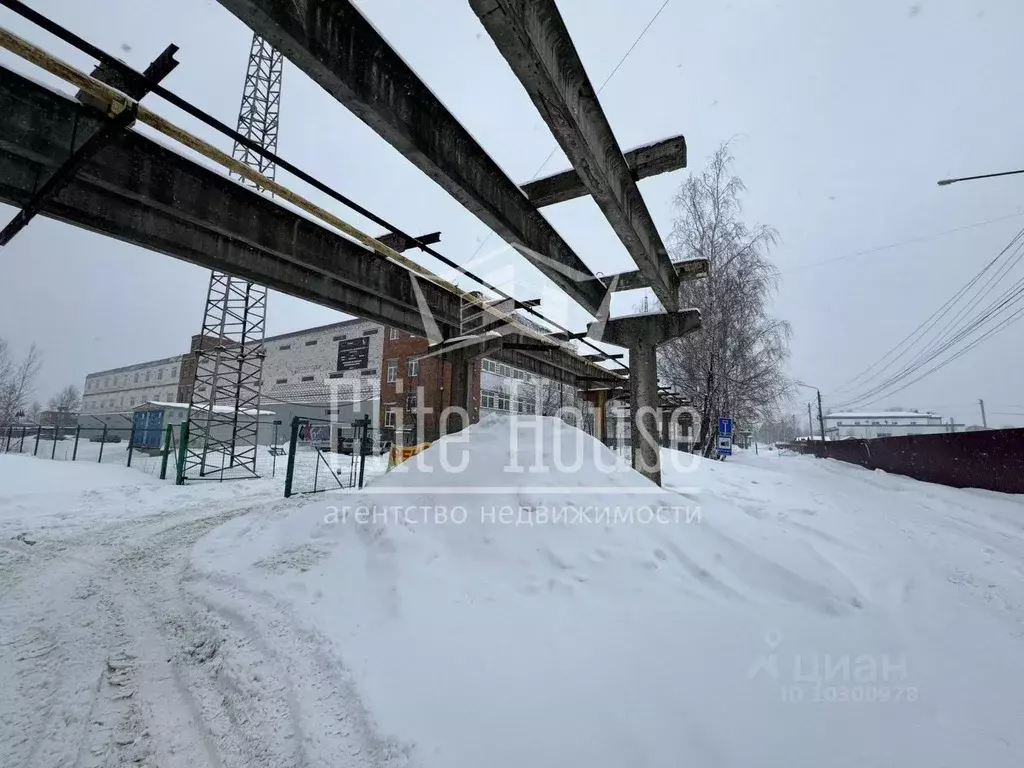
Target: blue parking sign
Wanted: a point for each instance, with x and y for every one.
(725, 425)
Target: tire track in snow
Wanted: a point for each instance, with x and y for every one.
(119, 662)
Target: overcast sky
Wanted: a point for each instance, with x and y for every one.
(843, 117)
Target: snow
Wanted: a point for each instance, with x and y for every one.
(765, 610)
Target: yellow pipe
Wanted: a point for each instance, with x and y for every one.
(119, 101)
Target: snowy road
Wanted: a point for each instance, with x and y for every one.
(816, 613)
(114, 652)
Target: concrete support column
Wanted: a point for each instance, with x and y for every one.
(643, 395)
(460, 392)
(642, 335)
(600, 416)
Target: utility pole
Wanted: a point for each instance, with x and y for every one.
(821, 419)
(984, 422)
(810, 422)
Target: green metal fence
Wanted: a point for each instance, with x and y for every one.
(326, 456)
(101, 443)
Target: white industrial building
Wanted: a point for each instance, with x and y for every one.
(869, 424)
(119, 390)
(309, 366)
(303, 370)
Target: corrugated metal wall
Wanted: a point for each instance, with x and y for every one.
(990, 459)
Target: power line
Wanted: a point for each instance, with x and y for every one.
(952, 333)
(918, 333)
(82, 45)
(900, 243)
(1010, 298)
(611, 74)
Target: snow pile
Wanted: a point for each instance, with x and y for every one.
(799, 620)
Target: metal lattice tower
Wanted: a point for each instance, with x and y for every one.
(224, 405)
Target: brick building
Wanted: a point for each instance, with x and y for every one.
(409, 386)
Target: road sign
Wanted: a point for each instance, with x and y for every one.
(724, 425)
(725, 445)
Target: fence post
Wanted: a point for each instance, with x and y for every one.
(293, 441)
(10, 428)
(273, 456)
(74, 453)
(168, 436)
(39, 431)
(103, 442)
(364, 439)
(53, 450)
(131, 444)
(179, 476)
(21, 443)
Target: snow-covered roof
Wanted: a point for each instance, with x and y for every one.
(882, 415)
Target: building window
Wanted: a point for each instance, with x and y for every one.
(132, 402)
(283, 347)
(311, 343)
(136, 378)
(106, 382)
(281, 381)
(174, 372)
(371, 332)
(160, 374)
(308, 378)
(411, 402)
(389, 417)
(498, 401)
(394, 334)
(340, 337)
(369, 372)
(147, 375)
(413, 367)
(392, 371)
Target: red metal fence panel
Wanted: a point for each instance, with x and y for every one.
(989, 459)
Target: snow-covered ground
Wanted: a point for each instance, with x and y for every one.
(768, 610)
(309, 473)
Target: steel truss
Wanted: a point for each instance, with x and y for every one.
(223, 417)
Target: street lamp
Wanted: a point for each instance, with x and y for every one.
(947, 182)
(821, 417)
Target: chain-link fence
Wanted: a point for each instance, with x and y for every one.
(102, 443)
(325, 456)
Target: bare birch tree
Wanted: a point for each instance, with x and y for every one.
(66, 404)
(17, 381)
(735, 365)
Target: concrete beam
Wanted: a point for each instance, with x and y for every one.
(649, 160)
(140, 192)
(688, 269)
(340, 50)
(533, 39)
(401, 243)
(653, 329)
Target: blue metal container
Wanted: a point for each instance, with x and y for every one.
(149, 427)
